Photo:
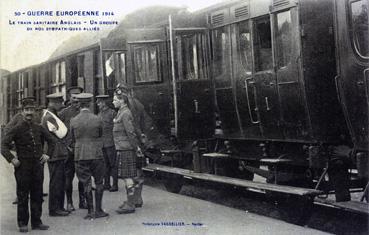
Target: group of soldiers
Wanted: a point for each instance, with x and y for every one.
(104, 146)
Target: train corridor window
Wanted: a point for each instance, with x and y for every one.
(221, 56)
(359, 23)
(262, 44)
(115, 68)
(81, 71)
(192, 61)
(243, 38)
(283, 36)
(146, 63)
(59, 80)
(20, 91)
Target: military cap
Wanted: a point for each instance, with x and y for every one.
(121, 88)
(55, 97)
(84, 97)
(102, 97)
(28, 102)
(75, 90)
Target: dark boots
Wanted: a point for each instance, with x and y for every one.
(90, 206)
(70, 206)
(114, 175)
(107, 181)
(98, 199)
(82, 197)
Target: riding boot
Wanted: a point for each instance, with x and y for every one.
(98, 199)
(107, 181)
(90, 206)
(114, 188)
(70, 206)
(82, 197)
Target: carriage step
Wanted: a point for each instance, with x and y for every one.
(351, 206)
(216, 155)
(274, 160)
(233, 181)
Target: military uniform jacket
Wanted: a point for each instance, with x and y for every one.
(61, 151)
(107, 115)
(29, 138)
(66, 116)
(86, 131)
(124, 133)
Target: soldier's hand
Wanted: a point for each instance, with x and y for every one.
(44, 158)
(341, 151)
(15, 162)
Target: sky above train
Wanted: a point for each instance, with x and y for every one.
(21, 48)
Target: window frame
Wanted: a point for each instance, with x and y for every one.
(159, 62)
(352, 31)
(254, 48)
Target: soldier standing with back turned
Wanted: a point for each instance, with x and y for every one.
(86, 131)
(66, 115)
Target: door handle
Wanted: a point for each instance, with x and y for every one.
(248, 101)
(267, 103)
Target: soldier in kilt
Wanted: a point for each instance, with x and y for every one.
(127, 145)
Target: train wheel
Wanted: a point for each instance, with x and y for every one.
(173, 183)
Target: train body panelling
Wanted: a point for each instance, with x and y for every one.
(351, 29)
(274, 79)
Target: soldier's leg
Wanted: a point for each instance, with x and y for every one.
(129, 205)
(84, 175)
(112, 155)
(98, 172)
(139, 180)
(53, 187)
(62, 193)
(36, 193)
(23, 178)
(69, 175)
(107, 169)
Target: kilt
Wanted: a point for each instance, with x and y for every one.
(126, 164)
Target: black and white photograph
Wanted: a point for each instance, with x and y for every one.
(186, 117)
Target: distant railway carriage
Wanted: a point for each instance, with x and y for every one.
(265, 87)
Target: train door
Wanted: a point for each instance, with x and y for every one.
(352, 39)
(264, 79)
(150, 81)
(194, 93)
(222, 75)
(286, 63)
(245, 85)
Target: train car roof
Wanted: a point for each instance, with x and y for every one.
(78, 43)
(145, 17)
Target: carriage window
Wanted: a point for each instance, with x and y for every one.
(58, 81)
(221, 55)
(81, 71)
(244, 47)
(192, 56)
(283, 37)
(115, 68)
(147, 63)
(360, 32)
(262, 44)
